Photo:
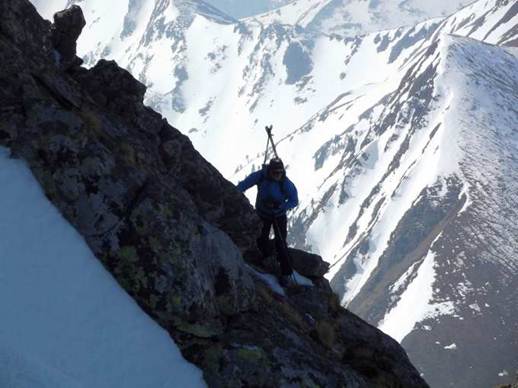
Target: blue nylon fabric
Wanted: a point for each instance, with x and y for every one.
(269, 193)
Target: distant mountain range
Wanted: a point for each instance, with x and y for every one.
(358, 17)
(239, 8)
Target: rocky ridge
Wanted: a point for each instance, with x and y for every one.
(167, 225)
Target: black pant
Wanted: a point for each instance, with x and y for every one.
(280, 229)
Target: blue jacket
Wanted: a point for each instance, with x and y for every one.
(274, 198)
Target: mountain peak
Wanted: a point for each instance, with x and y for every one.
(204, 9)
(357, 17)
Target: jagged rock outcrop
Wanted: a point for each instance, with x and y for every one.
(67, 27)
(308, 264)
(168, 226)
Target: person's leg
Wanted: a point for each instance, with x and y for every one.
(264, 239)
(281, 231)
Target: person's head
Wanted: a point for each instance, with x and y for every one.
(276, 169)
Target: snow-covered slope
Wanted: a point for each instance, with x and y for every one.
(221, 82)
(459, 297)
(358, 17)
(446, 272)
(298, 12)
(89, 332)
(393, 167)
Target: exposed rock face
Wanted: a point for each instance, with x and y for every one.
(305, 263)
(67, 27)
(166, 224)
(308, 264)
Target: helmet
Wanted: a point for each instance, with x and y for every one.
(276, 164)
(276, 168)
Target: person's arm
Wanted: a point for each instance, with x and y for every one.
(249, 181)
(293, 197)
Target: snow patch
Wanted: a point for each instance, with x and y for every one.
(416, 303)
(65, 321)
(268, 279)
(403, 279)
(272, 282)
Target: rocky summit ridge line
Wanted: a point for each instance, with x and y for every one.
(167, 225)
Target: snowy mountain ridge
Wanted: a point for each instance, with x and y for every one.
(463, 148)
(352, 18)
(458, 176)
(240, 9)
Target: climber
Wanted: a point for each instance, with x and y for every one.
(276, 194)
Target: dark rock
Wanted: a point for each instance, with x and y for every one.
(305, 263)
(308, 264)
(67, 27)
(112, 86)
(22, 30)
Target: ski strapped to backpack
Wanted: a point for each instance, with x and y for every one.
(270, 140)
